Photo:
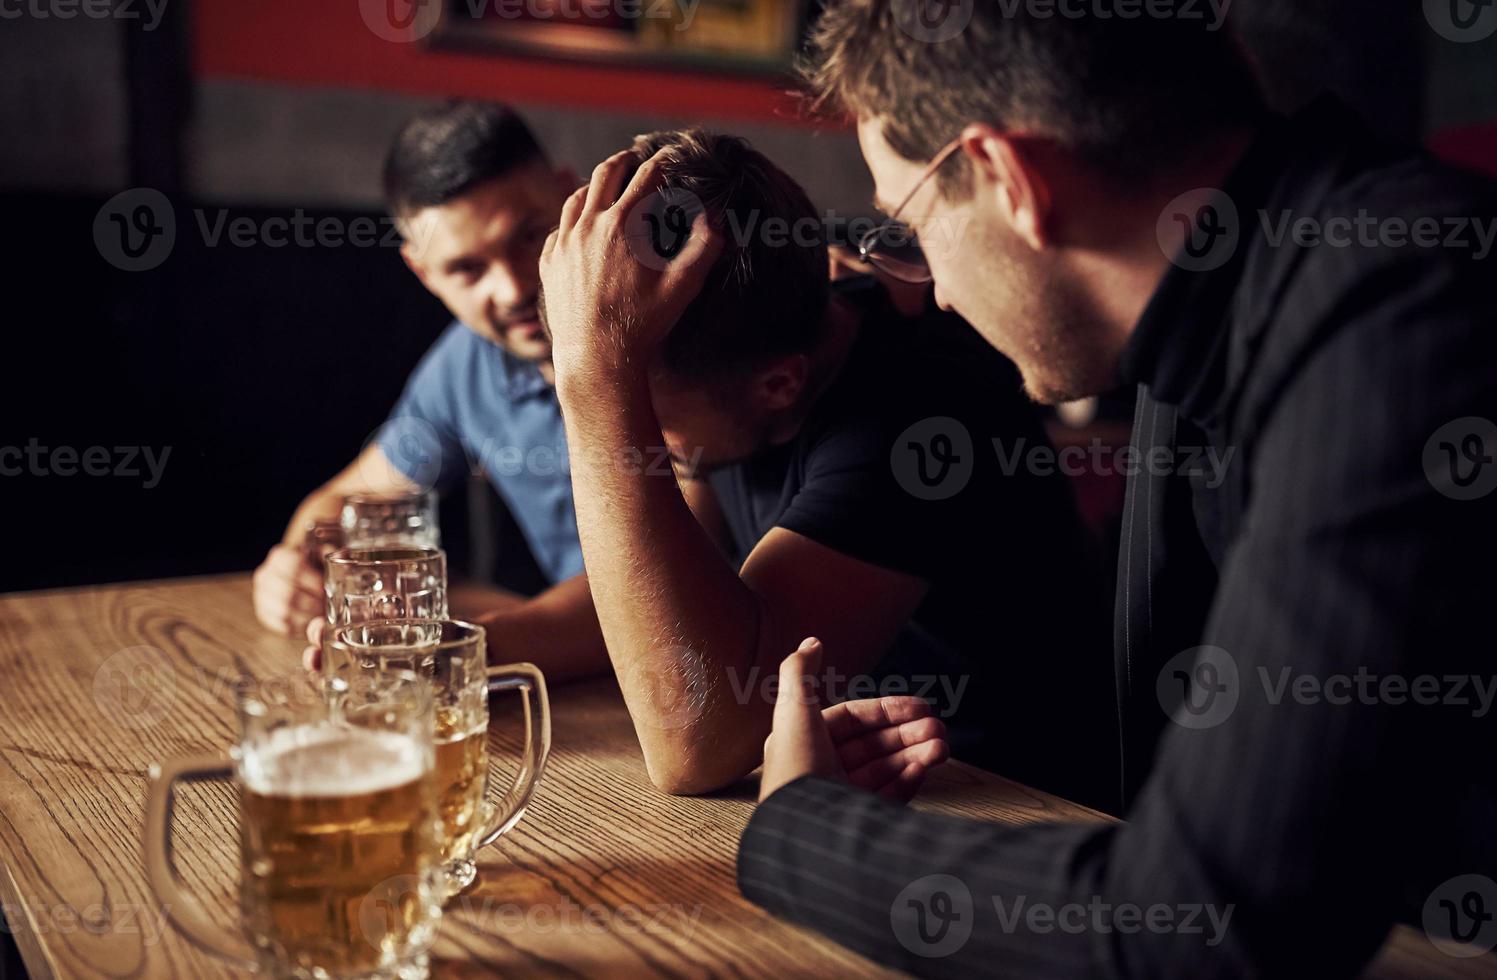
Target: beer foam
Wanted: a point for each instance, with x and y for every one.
(325, 760)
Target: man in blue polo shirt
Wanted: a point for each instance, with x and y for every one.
(475, 197)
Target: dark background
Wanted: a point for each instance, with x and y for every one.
(265, 369)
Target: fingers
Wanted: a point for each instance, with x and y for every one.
(287, 591)
(607, 178)
(571, 210)
(860, 751)
(315, 631)
(851, 719)
(878, 773)
(646, 180)
(904, 786)
(311, 658)
(796, 707)
(688, 271)
(798, 744)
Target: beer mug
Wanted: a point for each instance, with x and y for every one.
(340, 872)
(390, 520)
(453, 655)
(364, 584)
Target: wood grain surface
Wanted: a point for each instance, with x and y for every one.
(604, 876)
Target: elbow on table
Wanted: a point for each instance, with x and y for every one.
(683, 769)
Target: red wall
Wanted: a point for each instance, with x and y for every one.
(326, 42)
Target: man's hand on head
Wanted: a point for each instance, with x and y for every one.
(610, 296)
(884, 745)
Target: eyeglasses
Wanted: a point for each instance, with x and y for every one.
(892, 246)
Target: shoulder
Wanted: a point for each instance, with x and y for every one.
(1376, 282)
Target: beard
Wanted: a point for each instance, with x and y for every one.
(522, 333)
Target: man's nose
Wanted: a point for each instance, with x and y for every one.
(511, 288)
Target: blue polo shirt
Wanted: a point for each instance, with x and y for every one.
(472, 405)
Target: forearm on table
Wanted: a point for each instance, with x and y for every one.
(938, 895)
(678, 620)
(556, 630)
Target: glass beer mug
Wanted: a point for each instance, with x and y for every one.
(364, 584)
(390, 520)
(340, 869)
(453, 655)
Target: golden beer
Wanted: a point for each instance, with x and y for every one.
(452, 655)
(461, 773)
(338, 836)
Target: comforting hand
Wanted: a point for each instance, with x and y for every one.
(287, 591)
(610, 295)
(884, 745)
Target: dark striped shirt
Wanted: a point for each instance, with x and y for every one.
(1303, 636)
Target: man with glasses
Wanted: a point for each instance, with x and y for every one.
(1298, 640)
(872, 477)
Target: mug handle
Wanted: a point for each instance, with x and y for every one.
(186, 914)
(531, 683)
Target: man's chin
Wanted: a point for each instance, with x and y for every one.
(1051, 388)
(527, 341)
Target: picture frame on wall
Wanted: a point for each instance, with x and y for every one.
(739, 36)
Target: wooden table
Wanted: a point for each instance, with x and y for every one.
(604, 876)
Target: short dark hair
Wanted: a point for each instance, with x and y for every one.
(767, 295)
(1130, 96)
(444, 152)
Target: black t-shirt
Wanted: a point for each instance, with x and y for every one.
(924, 456)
